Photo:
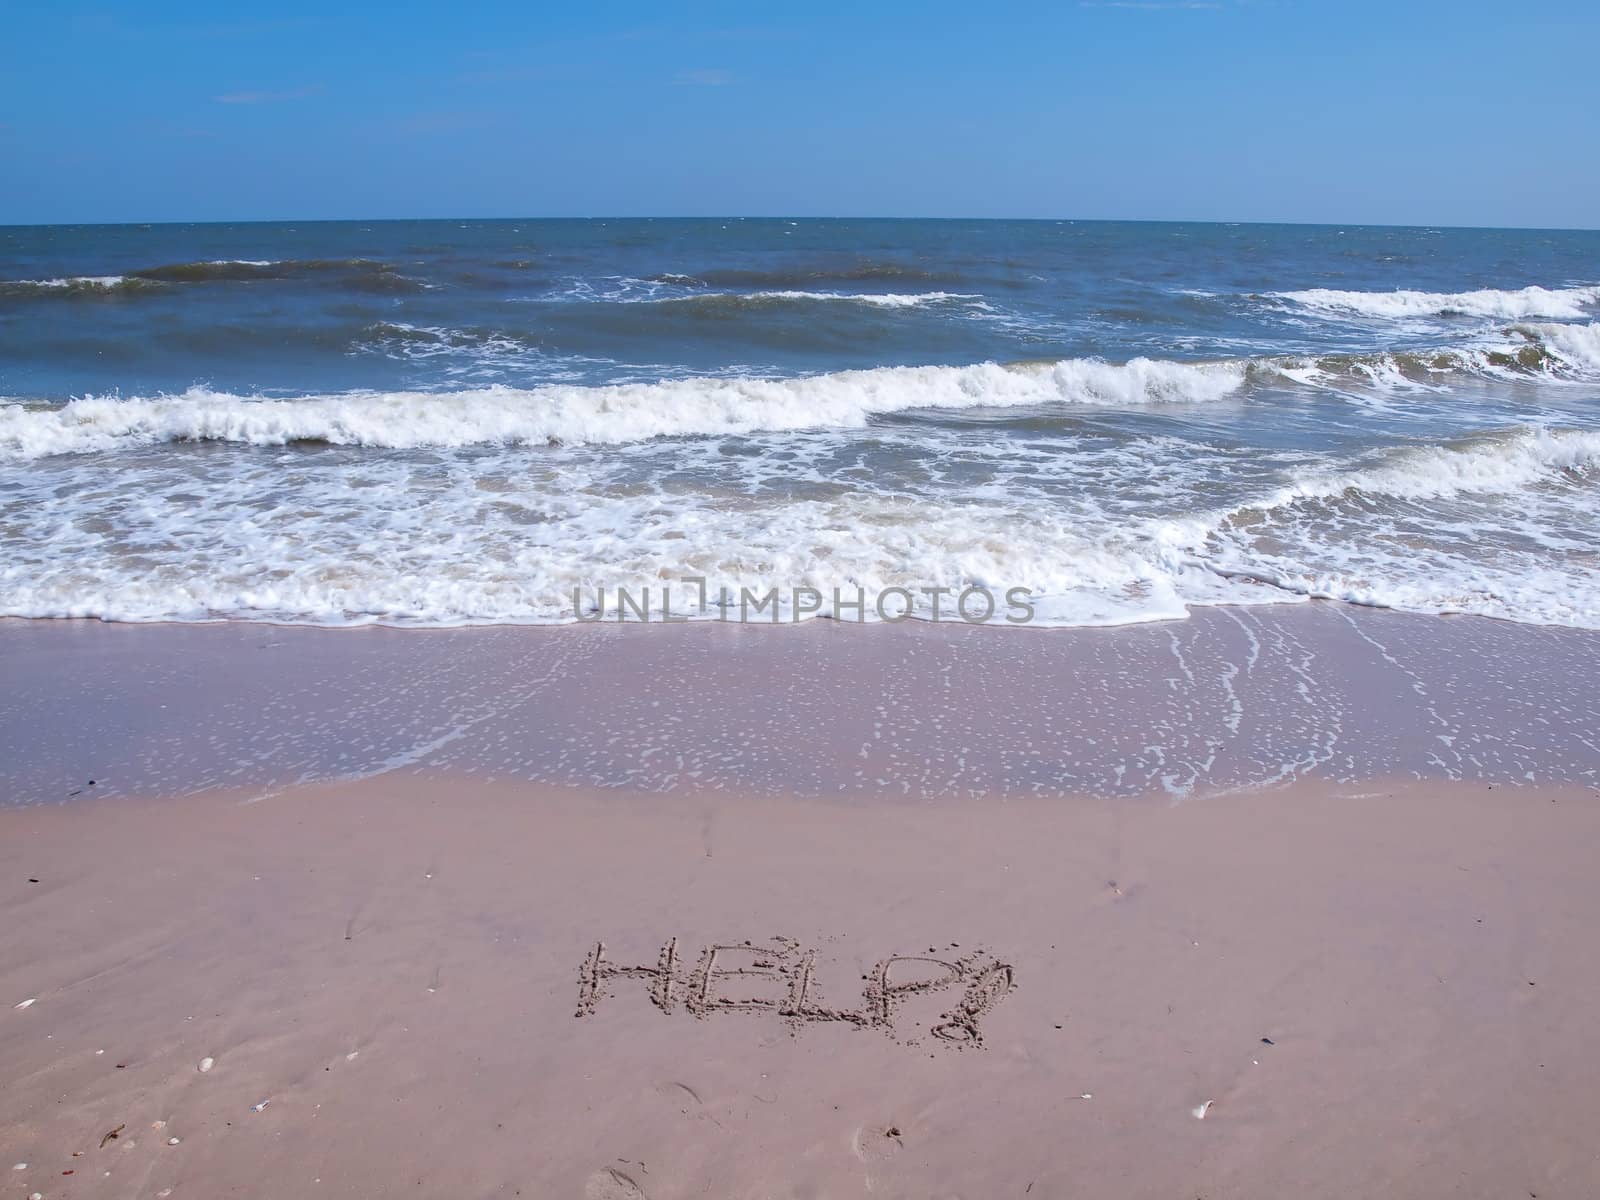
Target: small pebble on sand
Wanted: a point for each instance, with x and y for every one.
(206, 1064)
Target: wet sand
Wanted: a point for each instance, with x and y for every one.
(1235, 697)
(1385, 990)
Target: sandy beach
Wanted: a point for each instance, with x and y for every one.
(370, 989)
(736, 602)
(303, 934)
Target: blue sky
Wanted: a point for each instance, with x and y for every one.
(1466, 113)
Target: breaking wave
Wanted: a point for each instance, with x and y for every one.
(1576, 345)
(1499, 525)
(560, 413)
(1503, 462)
(599, 415)
(1516, 305)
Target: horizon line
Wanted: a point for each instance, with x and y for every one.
(790, 217)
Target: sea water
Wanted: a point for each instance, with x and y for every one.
(443, 422)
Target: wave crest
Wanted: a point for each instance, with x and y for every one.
(1510, 305)
(74, 286)
(358, 274)
(599, 415)
(1500, 463)
(734, 302)
(799, 277)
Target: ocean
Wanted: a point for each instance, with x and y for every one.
(464, 422)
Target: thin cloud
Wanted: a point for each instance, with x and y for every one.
(424, 123)
(267, 97)
(522, 74)
(676, 33)
(250, 28)
(703, 78)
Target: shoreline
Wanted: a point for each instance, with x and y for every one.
(1230, 698)
(1357, 990)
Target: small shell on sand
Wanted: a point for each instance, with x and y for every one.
(206, 1064)
(20, 1167)
(1201, 1110)
(158, 1124)
(259, 1107)
(29, 1003)
(172, 1141)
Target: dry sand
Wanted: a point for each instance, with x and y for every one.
(1384, 991)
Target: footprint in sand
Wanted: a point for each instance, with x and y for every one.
(609, 1183)
(877, 1143)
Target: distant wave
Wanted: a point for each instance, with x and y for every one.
(1520, 304)
(73, 286)
(439, 338)
(599, 415)
(690, 294)
(209, 270)
(799, 277)
(358, 274)
(736, 301)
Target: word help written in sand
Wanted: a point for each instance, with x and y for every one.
(779, 977)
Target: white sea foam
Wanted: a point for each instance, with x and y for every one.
(1497, 525)
(702, 405)
(1099, 533)
(74, 282)
(599, 415)
(875, 299)
(1511, 305)
(1502, 463)
(687, 291)
(1578, 345)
